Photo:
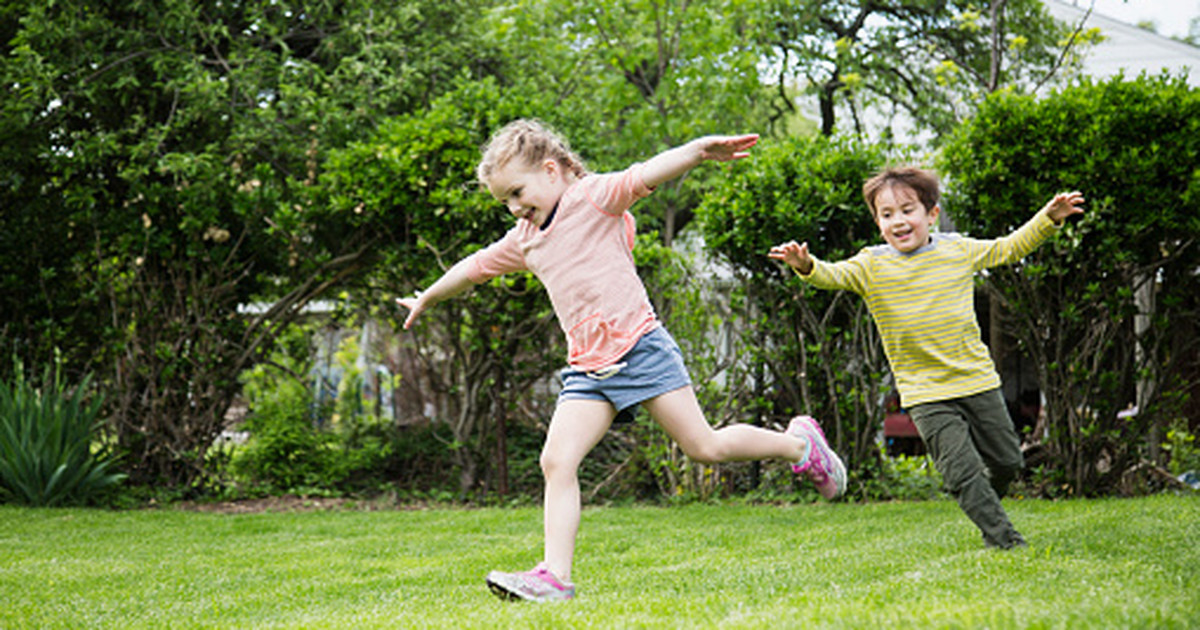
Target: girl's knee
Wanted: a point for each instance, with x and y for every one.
(556, 464)
(705, 452)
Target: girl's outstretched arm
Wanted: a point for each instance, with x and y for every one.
(675, 162)
(453, 282)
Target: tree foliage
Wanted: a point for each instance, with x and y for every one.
(480, 355)
(1107, 310)
(166, 153)
(169, 161)
(930, 60)
(649, 75)
(808, 351)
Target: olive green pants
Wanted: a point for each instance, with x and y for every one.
(976, 449)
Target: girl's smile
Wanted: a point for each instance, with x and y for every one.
(530, 191)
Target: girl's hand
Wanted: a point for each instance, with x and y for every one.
(794, 254)
(414, 305)
(675, 162)
(726, 148)
(1064, 205)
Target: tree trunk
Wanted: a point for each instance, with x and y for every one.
(1143, 295)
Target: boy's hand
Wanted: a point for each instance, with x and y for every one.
(414, 305)
(795, 255)
(726, 148)
(1064, 205)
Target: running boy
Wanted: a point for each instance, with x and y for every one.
(919, 288)
(574, 233)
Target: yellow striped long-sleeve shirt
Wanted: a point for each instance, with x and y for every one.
(923, 305)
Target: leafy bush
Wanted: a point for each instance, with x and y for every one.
(802, 349)
(285, 456)
(46, 439)
(288, 453)
(285, 450)
(1107, 310)
(291, 450)
(898, 478)
(1183, 448)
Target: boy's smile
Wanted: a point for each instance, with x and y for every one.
(903, 220)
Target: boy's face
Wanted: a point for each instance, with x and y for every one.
(903, 220)
(529, 192)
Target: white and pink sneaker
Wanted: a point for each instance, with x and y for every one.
(823, 465)
(536, 585)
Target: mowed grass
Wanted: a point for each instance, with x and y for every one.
(1131, 563)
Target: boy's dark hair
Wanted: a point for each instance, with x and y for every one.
(921, 181)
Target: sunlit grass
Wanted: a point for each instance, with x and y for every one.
(1091, 564)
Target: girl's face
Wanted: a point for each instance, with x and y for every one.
(529, 192)
(903, 220)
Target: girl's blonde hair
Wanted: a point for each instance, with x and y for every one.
(530, 140)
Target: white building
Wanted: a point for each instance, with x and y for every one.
(1127, 47)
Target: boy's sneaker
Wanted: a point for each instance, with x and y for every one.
(823, 466)
(536, 585)
(1014, 540)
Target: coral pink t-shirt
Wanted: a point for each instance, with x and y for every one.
(585, 260)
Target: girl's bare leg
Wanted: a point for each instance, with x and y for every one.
(679, 414)
(576, 427)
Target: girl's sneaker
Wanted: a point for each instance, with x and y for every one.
(823, 466)
(536, 585)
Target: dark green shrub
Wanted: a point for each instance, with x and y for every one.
(285, 451)
(1107, 310)
(289, 450)
(802, 349)
(897, 478)
(286, 456)
(46, 438)
(1184, 449)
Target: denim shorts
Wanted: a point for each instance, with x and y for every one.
(653, 367)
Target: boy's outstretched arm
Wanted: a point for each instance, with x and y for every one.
(453, 282)
(795, 255)
(675, 162)
(1064, 205)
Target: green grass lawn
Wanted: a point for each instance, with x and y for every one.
(1131, 563)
